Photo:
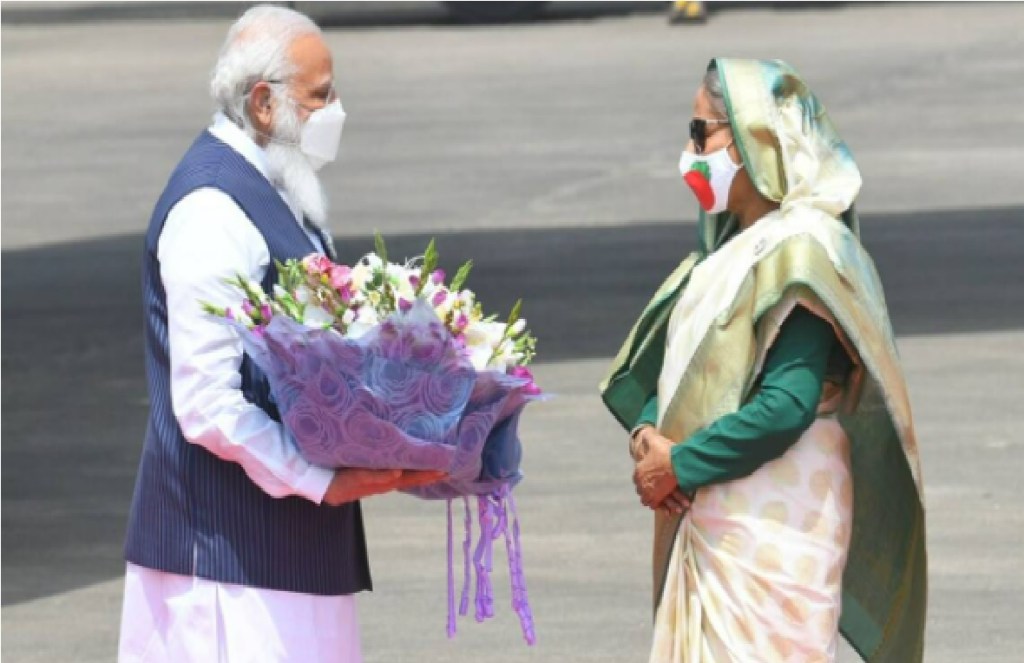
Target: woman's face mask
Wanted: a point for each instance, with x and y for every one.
(710, 177)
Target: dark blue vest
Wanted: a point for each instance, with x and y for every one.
(192, 513)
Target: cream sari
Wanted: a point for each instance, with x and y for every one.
(756, 569)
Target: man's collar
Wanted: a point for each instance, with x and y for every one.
(231, 134)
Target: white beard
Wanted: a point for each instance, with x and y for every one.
(290, 169)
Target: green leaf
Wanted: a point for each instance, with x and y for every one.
(514, 315)
(251, 293)
(461, 276)
(213, 310)
(381, 248)
(430, 259)
(430, 256)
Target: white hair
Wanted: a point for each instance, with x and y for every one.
(256, 49)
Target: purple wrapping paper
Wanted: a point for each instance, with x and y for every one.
(404, 396)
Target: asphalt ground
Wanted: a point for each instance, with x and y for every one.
(545, 151)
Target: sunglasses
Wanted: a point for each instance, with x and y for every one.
(699, 132)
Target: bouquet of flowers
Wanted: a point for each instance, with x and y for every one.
(386, 366)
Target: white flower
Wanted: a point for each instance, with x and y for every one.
(400, 280)
(361, 275)
(444, 302)
(397, 272)
(429, 288)
(316, 317)
(481, 340)
(371, 260)
(364, 269)
(504, 357)
(365, 319)
(303, 295)
(518, 327)
(367, 315)
(467, 298)
(348, 317)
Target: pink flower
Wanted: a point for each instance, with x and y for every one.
(531, 388)
(437, 277)
(414, 280)
(404, 305)
(340, 276)
(316, 263)
(247, 308)
(439, 297)
(521, 372)
(229, 314)
(266, 312)
(462, 321)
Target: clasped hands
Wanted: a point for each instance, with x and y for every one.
(654, 478)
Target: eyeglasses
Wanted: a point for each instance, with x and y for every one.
(328, 98)
(699, 131)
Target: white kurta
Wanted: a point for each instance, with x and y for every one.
(166, 617)
(171, 618)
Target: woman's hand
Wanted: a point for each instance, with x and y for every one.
(677, 503)
(654, 477)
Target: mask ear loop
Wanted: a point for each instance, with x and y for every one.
(737, 165)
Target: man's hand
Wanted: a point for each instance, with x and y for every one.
(350, 484)
(654, 478)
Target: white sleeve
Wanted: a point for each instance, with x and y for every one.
(206, 239)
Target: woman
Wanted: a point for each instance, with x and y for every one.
(771, 427)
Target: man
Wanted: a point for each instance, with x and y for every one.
(237, 548)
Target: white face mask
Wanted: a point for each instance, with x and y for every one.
(321, 134)
(710, 176)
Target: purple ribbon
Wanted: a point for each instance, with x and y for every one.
(520, 600)
(451, 580)
(493, 512)
(482, 560)
(466, 567)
